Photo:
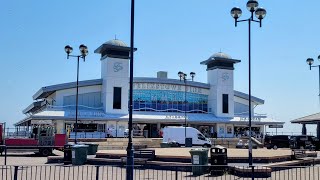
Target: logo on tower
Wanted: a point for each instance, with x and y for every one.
(117, 66)
(225, 76)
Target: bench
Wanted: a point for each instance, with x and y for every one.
(298, 153)
(139, 146)
(141, 156)
(145, 153)
(142, 161)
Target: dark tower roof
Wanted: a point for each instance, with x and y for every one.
(114, 48)
(220, 60)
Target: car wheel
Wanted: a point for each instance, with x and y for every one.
(275, 147)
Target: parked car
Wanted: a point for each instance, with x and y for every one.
(277, 141)
(304, 142)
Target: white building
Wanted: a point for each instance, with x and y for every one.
(213, 107)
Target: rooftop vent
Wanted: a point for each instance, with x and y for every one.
(162, 74)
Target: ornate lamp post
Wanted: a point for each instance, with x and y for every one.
(84, 52)
(183, 77)
(252, 6)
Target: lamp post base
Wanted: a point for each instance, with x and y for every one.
(130, 162)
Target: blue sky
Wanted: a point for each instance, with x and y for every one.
(170, 36)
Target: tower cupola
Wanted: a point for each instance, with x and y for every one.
(114, 48)
(220, 60)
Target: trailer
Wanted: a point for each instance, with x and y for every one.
(41, 138)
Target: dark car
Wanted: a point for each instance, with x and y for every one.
(304, 142)
(276, 141)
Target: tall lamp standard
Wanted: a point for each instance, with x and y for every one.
(252, 6)
(310, 61)
(84, 52)
(183, 77)
(130, 160)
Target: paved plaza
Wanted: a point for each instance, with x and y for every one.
(184, 152)
(33, 159)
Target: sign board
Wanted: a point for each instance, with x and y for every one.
(276, 126)
(196, 159)
(84, 114)
(170, 87)
(176, 117)
(49, 122)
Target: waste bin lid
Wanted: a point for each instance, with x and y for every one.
(80, 146)
(220, 147)
(86, 143)
(199, 149)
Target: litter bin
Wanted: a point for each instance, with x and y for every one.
(79, 154)
(188, 142)
(92, 148)
(219, 160)
(67, 155)
(199, 159)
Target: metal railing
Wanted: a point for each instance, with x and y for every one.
(96, 135)
(290, 133)
(17, 132)
(60, 172)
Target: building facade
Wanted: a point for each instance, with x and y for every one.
(214, 107)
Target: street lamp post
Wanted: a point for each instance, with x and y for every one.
(183, 77)
(252, 6)
(310, 61)
(130, 158)
(84, 52)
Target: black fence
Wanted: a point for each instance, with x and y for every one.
(59, 172)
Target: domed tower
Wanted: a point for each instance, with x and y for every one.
(115, 76)
(220, 68)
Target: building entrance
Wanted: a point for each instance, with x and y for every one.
(244, 131)
(152, 129)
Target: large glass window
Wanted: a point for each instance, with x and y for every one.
(169, 101)
(85, 101)
(225, 103)
(116, 97)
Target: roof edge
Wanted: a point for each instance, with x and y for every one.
(51, 89)
(246, 96)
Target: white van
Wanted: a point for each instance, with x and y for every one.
(177, 134)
